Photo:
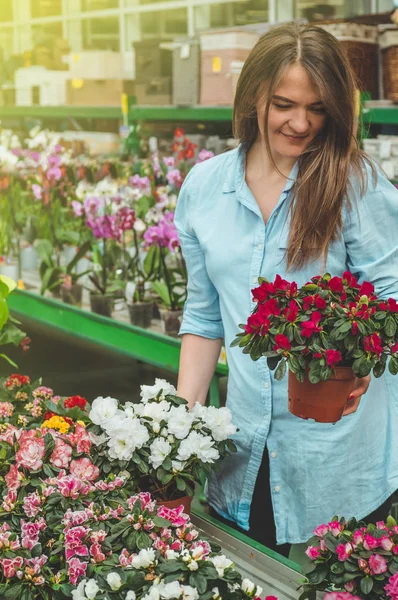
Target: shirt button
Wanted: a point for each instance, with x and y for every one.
(273, 454)
(277, 488)
(254, 279)
(259, 246)
(266, 385)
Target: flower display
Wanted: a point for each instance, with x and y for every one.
(71, 527)
(358, 560)
(328, 322)
(164, 447)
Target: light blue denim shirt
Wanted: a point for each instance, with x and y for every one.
(317, 470)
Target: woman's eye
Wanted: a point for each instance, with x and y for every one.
(319, 111)
(282, 106)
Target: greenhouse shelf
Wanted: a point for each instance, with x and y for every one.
(380, 115)
(61, 112)
(141, 344)
(178, 113)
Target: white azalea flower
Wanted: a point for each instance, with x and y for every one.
(102, 410)
(157, 411)
(170, 591)
(114, 581)
(115, 422)
(193, 565)
(219, 421)
(160, 448)
(200, 445)
(130, 595)
(199, 411)
(78, 593)
(189, 593)
(177, 466)
(216, 593)
(148, 392)
(251, 589)
(153, 593)
(92, 589)
(221, 563)
(180, 422)
(171, 554)
(121, 444)
(145, 558)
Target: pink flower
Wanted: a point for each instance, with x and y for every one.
(377, 564)
(13, 478)
(340, 596)
(96, 553)
(81, 439)
(205, 155)
(370, 542)
(175, 515)
(74, 542)
(72, 487)
(392, 586)
(36, 563)
(76, 569)
(84, 469)
(357, 537)
(321, 530)
(10, 566)
(37, 191)
(9, 501)
(200, 549)
(387, 544)
(61, 455)
(344, 551)
(350, 586)
(32, 504)
(335, 528)
(31, 452)
(146, 501)
(313, 552)
(77, 208)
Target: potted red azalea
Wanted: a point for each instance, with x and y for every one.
(327, 333)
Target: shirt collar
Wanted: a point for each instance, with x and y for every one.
(235, 176)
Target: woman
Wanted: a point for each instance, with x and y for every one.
(297, 198)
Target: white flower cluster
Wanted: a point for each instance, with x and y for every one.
(156, 422)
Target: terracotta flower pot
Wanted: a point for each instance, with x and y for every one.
(140, 313)
(324, 401)
(186, 501)
(101, 305)
(72, 294)
(170, 321)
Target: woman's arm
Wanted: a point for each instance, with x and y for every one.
(198, 361)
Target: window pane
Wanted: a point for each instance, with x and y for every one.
(164, 24)
(6, 11)
(45, 8)
(238, 13)
(88, 5)
(330, 9)
(101, 34)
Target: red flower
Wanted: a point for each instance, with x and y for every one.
(394, 348)
(25, 344)
(336, 285)
(262, 292)
(282, 342)
(392, 305)
(291, 312)
(17, 380)
(373, 344)
(179, 132)
(308, 328)
(270, 307)
(319, 302)
(350, 280)
(366, 289)
(48, 414)
(383, 306)
(333, 357)
(291, 290)
(354, 328)
(280, 284)
(73, 401)
(257, 324)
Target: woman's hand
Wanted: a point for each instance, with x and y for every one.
(361, 386)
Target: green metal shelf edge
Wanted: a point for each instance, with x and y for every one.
(179, 113)
(384, 115)
(62, 112)
(150, 347)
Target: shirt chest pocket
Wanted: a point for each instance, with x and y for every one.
(335, 263)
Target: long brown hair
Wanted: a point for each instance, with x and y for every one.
(333, 157)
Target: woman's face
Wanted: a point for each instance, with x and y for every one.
(296, 115)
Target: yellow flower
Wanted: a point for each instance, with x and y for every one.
(82, 423)
(56, 422)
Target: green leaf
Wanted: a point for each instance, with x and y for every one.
(331, 542)
(171, 566)
(3, 311)
(181, 484)
(308, 567)
(12, 592)
(391, 522)
(37, 550)
(366, 585)
(162, 291)
(390, 327)
(8, 283)
(198, 581)
(281, 370)
(319, 575)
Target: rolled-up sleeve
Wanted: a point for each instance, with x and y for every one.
(371, 236)
(202, 308)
